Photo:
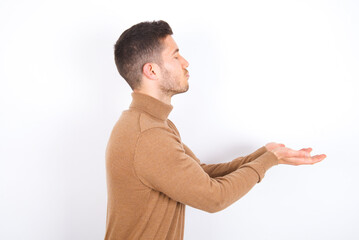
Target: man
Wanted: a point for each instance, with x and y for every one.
(151, 173)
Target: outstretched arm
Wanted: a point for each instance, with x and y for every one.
(161, 164)
(222, 169)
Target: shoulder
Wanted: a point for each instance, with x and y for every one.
(147, 122)
(155, 131)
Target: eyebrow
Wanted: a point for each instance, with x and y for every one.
(177, 50)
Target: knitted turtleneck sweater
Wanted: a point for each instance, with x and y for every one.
(152, 175)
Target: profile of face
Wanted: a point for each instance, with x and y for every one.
(173, 77)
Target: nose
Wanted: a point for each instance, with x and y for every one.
(186, 64)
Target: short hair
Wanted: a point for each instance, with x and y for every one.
(138, 45)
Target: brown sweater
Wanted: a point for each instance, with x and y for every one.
(152, 175)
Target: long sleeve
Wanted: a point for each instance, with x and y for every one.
(221, 169)
(162, 164)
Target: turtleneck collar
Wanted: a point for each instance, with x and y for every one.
(150, 105)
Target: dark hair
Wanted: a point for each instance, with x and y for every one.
(138, 45)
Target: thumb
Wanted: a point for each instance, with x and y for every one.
(306, 149)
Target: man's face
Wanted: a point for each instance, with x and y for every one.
(174, 75)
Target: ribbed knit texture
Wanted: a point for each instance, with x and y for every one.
(152, 175)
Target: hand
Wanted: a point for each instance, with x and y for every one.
(272, 145)
(294, 157)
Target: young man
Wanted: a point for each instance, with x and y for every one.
(151, 173)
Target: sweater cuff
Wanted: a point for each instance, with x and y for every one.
(260, 152)
(262, 164)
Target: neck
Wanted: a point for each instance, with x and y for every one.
(158, 95)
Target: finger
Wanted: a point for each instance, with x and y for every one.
(320, 157)
(306, 160)
(308, 150)
(297, 153)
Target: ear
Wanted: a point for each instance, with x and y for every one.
(151, 71)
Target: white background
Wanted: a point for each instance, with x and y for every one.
(261, 71)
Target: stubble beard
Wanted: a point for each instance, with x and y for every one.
(170, 85)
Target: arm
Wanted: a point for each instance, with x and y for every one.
(161, 163)
(221, 169)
